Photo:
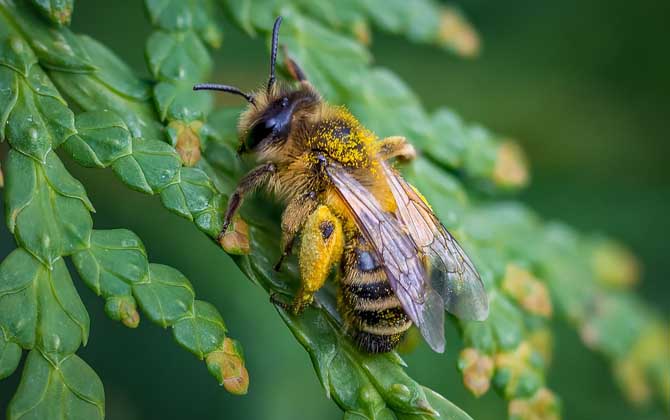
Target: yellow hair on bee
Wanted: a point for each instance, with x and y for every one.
(344, 139)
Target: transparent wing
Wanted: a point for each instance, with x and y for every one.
(398, 255)
(452, 274)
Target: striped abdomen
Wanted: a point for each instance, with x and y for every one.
(372, 313)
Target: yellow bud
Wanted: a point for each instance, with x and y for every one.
(2, 179)
(517, 364)
(527, 290)
(457, 34)
(124, 309)
(477, 369)
(236, 239)
(541, 340)
(646, 364)
(630, 376)
(615, 265)
(188, 141)
(542, 406)
(129, 315)
(361, 31)
(511, 166)
(227, 365)
(63, 16)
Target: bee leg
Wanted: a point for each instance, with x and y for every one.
(320, 249)
(396, 147)
(293, 68)
(251, 181)
(292, 220)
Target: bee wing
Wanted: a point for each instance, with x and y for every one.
(398, 255)
(452, 274)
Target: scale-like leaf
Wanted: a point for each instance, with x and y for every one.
(10, 356)
(112, 87)
(165, 295)
(102, 137)
(195, 198)
(151, 167)
(56, 48)
(47, 209)
(202, 332)
(177, 56)
(65, 386)
(40, 307)
(36, 117)
(176, 101)
(114, 262)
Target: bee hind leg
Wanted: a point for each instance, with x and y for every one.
(292, 220)
(320, 249)
(396, 147)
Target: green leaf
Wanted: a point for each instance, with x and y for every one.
(113, 87)
(47, 209)
(165, 295)
(102, 138)
(114, 262)
(330, 60)
(40, 307)
(195, 198)
(16, 55)
(36, 117)
(202, 332)
(176, 101)
(179, 15)
(57, 48)
(445, 408)
(68, 387)
(151, 167)
(58, 11)
(174, 56)
(10, 356)
(369, 386)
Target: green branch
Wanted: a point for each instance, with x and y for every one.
(159, 138)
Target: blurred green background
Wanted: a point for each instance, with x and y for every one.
(585, 88)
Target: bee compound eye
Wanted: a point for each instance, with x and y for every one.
(284, 102)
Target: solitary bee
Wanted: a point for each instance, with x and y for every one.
(398, 264)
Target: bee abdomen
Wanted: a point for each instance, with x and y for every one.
(375, 318)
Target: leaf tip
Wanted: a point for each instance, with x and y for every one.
(227, 365)
(477, 369)
(457, 34)
(236, 240)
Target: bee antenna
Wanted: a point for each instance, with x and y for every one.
(273, 53)
(224, 88)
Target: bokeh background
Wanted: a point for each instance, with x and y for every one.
(584, 86)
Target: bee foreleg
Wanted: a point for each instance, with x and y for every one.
(292, 220)
(396, 147)
(320, 249)
(251, 181)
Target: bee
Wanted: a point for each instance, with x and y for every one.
(397, 264)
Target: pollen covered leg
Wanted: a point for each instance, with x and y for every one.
(396, 147)
(292, 220)
(320, 249)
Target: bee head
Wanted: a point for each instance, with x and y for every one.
(273, 110)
